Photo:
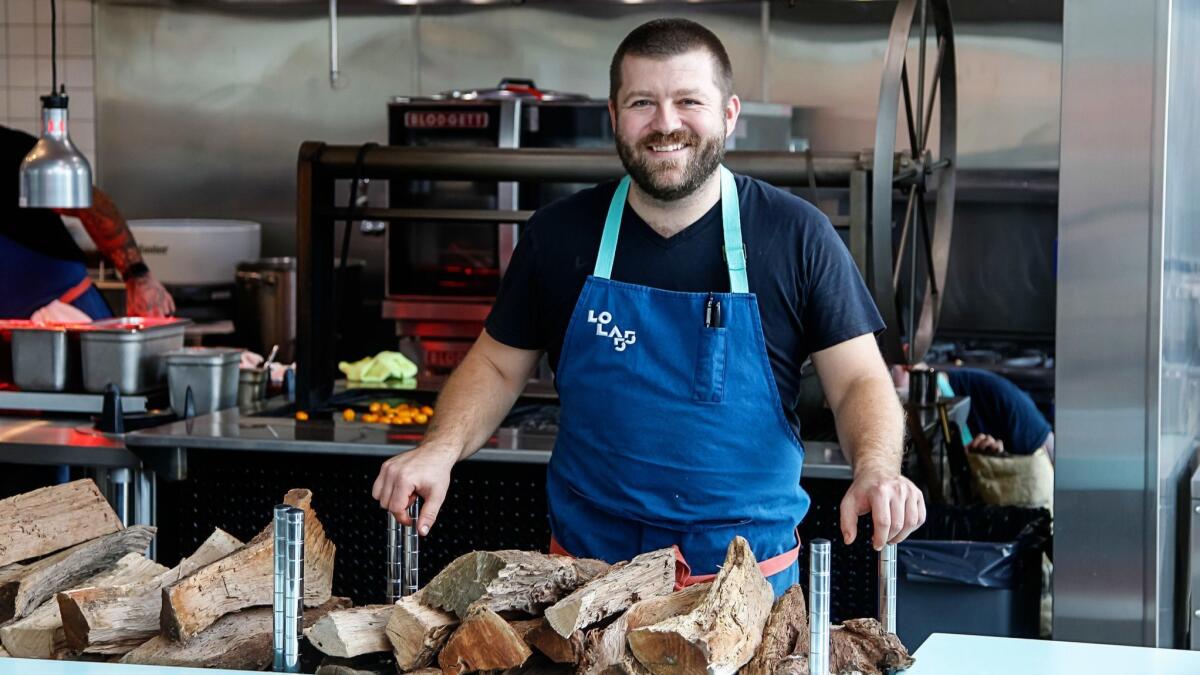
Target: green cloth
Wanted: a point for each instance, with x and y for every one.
(380, 368)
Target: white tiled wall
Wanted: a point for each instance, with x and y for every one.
(25, 72)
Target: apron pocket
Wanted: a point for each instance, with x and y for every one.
(709, 383)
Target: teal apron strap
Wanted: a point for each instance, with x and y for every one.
(731, 226)
(612, 227)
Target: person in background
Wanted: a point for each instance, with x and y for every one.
(42, 270)
(1003, 418)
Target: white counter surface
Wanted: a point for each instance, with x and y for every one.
(944, 654)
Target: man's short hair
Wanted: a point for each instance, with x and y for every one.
(664, 38)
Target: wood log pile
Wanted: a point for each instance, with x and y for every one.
(524, 612)
(75, 584)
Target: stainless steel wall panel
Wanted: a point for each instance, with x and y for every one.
(1008, 83)
(201, 112)
(1179, 372)
(1105, 183)
(201, 106)
(567, 46)
(1127, 348)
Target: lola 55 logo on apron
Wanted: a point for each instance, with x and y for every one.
(620, 339)
(696, 448)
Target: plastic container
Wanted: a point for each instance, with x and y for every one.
(129, 353)
(210, 372)
(973, 570)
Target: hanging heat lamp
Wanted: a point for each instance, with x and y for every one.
(55, 174)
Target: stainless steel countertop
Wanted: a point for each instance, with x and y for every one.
(50, 441)
(229, 430)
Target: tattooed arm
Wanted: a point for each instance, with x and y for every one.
(144, 295)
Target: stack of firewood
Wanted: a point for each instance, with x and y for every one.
(75, 584)
(520, 611)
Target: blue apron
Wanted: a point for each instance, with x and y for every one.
(671, 431)
(31, 280)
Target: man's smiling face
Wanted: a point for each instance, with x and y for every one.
(671, 120)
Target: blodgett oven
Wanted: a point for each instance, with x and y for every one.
(442, 277)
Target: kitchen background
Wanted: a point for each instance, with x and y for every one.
(200, 107)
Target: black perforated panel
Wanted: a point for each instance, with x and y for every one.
(490, 506)
(853, 574)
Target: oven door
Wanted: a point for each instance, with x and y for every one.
(446, 258)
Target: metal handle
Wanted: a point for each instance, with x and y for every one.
(288, 606)
(887, 588)
(403, 555)
(395, 559)
(818, 607)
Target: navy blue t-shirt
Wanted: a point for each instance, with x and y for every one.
(1000, 409)
(809, 292)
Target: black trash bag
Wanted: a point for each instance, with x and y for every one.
(977, 545)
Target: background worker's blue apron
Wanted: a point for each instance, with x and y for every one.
(30, 280)
(671, 431)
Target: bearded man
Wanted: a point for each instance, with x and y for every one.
(676, 306)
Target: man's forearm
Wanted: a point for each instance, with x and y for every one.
(870, 424)
(106, 227)
(471, 405)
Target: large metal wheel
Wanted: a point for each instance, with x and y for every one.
(908, 253)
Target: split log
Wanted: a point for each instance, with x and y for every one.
(786, 634)
(40, 580)
(41, 636)
(557, 648)
(524, 581)
(607, 650)
(623, 584)
(484, 641)
(239, 641)
(862, 646)
(352, 632)
(335, 666)
(346, 669)
(539, 664)
(722, 633)
(417, 632)
(523, 627)
(10, 576)
(245, 578)
(115, 618)
(52, 518)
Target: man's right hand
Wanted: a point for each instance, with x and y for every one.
(424, 472)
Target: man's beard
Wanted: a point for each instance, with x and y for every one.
(650, 174)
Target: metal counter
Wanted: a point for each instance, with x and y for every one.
(40, 441)
(229, 430)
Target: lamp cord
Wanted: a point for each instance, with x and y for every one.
(53, 47)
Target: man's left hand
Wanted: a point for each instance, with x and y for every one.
(145, 296)
(895, 504)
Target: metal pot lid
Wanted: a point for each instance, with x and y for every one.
(509, 88)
